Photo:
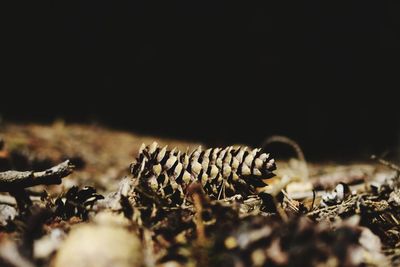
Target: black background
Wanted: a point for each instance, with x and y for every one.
(215, 71)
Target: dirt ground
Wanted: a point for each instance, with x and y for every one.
(310, 214)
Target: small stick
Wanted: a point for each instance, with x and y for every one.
(16, 180)
(200, 252)
(386, 163)
(199, 220)
(314, 193)
(286, 140)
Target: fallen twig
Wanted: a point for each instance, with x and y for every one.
(16, 180)
(386, 163)
(299, 152)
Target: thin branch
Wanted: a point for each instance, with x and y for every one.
(286, 140)
(386, 163)
(16, 180)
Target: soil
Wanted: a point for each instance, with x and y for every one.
(310, 214)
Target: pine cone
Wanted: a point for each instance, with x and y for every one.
(166, 174)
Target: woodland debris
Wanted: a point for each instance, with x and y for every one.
(44, 247)
(7, 200)
(296, 147)
(106, 153)
(350, 175)
(10, 255)
(17, 180)
(386, 163)
(267, 242)
(100, 244)
(264, 226)
(76, 202)
(338, 195)
(7, 214)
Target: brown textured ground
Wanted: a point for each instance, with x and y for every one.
(298, 225)
(105, 154)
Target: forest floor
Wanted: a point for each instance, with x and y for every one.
(310, 214)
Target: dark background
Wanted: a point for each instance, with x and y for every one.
(214, 71)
